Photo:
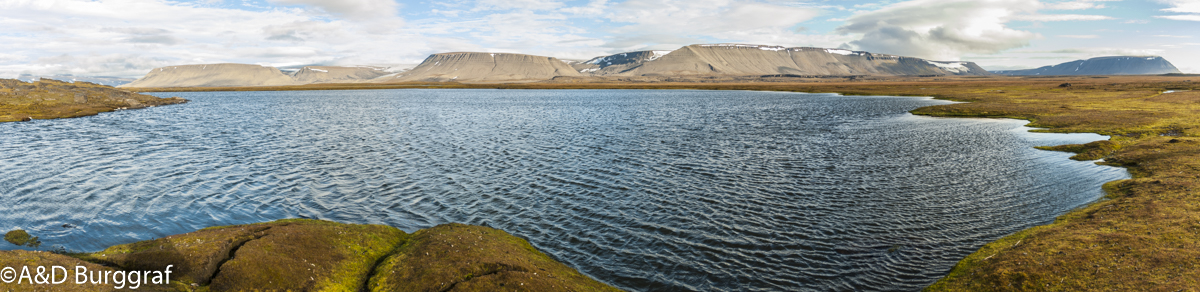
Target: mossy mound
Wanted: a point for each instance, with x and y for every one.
(52, 99)
(457, 257)
(314, 255)
(21, 238)
(196, 256)
(18, 259)
(308, 255)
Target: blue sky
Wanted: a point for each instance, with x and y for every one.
(128, 37)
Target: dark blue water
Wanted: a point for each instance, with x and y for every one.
(645, 190)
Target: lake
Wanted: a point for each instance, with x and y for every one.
(647, 190)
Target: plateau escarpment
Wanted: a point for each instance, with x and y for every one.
(332, 74)
(690, 61)
(738, 59)
(312, 255)
(693, 60)
(207, 75)
(238, 75)
(51, 99)
(617, 63)
(1117, 65)
(474, 66)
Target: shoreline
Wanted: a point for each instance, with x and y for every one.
(1137, 231)
(51, 99)
(1142, 233)
(306, 255)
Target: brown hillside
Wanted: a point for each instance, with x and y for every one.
(737, 59)
(333, 74)
(485, 67)
(211, 75)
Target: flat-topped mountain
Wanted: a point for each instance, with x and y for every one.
(211, 75)
(740, 59)
(216, 75)
(332, 74)
(1115, 65)
(475, 66)
(693, 60)
(616, 63)
(719, 59)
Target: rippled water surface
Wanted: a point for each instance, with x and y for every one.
(645, 190)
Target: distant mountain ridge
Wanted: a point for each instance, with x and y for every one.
(331, 74)
(1114, 65)
(229, 74)
(692, 60)
(744, 59)
(485, 67)
(621, 62)
(102, 80)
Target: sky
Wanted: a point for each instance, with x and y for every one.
(128, 38)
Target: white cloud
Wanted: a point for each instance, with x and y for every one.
(595, 7)
(685, 22)
(350, 9)
(128, 38)
(1074, 5)
(948, 29)
(517, 4)
(942, 30)
(1182, 6)
(91, 65)
(1059, 17)
(1188, 17)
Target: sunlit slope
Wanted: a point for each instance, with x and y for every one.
(737, 59)
(334, 74)
(474, 66)
(210, 75)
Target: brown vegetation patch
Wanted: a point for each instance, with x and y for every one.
(1090, 151)
(308, 255)
(18, 259)
(51, 99)
(312, 255)
(1191, 98)
(195, 256)
(456, 257)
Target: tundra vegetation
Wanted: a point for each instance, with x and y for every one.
(313, 255)
(52, 99)
(1144, 235)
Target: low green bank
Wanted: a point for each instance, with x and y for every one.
(313, 255)
(51, 99)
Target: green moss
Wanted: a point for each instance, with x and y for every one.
(1090, 151)
(50, 99)
(22, 238)
(475, 258)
